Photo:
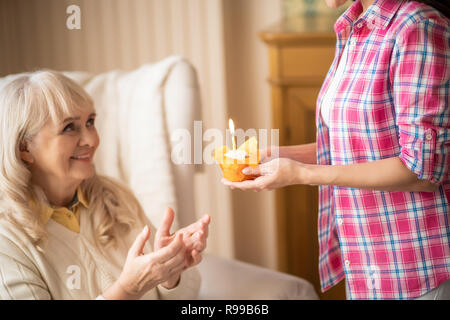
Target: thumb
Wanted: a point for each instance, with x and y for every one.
(164, 229)
(139, 243)
(263, 169)
(251, 171)
(256, 171)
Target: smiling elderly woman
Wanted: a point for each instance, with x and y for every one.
(66, 232)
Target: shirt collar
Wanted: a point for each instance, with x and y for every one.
(379, 14)
(47, 211)
(80, 197)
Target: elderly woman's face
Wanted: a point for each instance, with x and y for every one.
(65, 151)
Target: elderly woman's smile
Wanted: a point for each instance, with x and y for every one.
(86, 157)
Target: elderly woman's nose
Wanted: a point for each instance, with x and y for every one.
(88, 137)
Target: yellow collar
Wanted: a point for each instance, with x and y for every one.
(47, 211)
(81, 198)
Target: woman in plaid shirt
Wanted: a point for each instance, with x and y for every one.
(381, 156)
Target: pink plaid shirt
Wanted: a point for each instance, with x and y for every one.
(392, 101)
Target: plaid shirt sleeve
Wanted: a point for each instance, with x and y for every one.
(420, 87)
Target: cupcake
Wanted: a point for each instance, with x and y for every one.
(232, 162)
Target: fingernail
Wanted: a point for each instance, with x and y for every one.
(144, 231)
(246, 171)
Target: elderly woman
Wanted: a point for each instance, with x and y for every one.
(66, 232)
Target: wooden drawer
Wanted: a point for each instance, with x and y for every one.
(305, 61)
(301, 111)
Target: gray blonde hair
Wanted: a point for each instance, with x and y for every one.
(27, 102)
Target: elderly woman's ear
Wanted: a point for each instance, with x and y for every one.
(25, 155)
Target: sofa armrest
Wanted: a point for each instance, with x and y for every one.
(182, 107)
(226, 279)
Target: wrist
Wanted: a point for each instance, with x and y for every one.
(172, 283)
(315, 175)
(118, 292)
(122, 290)
(303, 174)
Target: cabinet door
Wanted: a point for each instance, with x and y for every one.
(302, 201)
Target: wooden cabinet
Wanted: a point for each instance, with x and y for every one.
(301, 51)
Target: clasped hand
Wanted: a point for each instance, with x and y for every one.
(172, 254)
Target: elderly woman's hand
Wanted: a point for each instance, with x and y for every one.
(274, 174)
(143, 272)
(194, 238)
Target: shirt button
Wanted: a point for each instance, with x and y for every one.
(429, 135)
(340, 221)
(359, 25)
(347, 263)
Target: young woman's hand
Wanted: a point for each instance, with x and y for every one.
(143, 272)
(274, 174)
(194, 237)
(304, 153)
(268, 154)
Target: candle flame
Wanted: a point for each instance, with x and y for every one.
(233, 137)
(231, 126)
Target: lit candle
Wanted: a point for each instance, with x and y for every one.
(233, 137)
(234, 154)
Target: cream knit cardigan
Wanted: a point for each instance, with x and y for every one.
(72, 266)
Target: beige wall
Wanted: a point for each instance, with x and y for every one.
(218, 36)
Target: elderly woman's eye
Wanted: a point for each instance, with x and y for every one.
(91, 122)
(69, 127)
